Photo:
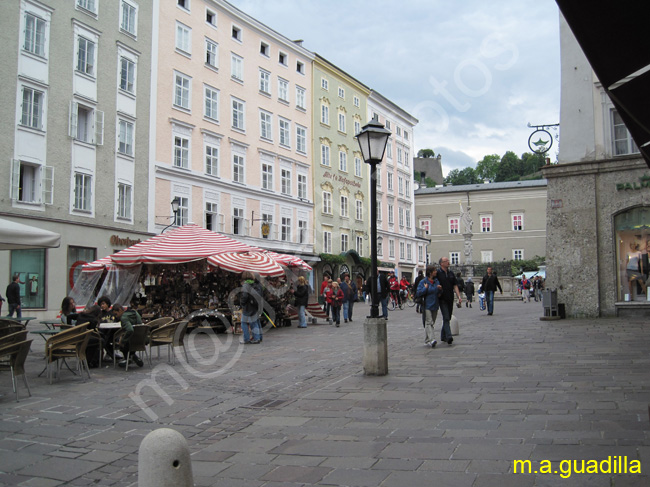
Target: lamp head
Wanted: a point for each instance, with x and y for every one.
(372, 141)
(176, 203)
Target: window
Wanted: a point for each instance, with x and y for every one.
(359, 246)
(211, 160)
(518, 254)
(341, 122)
(238, 114)
(357, 127)
(238, 221)
(302, 231)
(211, 216)
(325, 155)
(398, 131)
(388, 125)
(300, 67)
(264, 49)
(344, 207)
(302, 186)
(356, 102)
(265, 82)
(236, 67)
(300, 98)
(32, 109)
(486, 256)
(86, 124)
(182, 86)
(283, 90)
(389, 178)
(343, 161)
(389, 150)
(344, 242)
(125, 138)
(31, 183)
(391, 215)
(28, 182)
(210, 17)
(34, 262)
(426, 226)
(517, 222)
(301, 139)
(623, 143)
(420, 253)
(286, 181)
(406, 158)
(129, 18)
(181, 152)
(399, 155)
(402, 253)
(183, 38)
(89, 5)
(407, 217)
(400, 216)
(406, 135)
(124, 192)
(400, 185)
(285, 134)
(237, 168)
(82, 191)
(359, 214)
(34, 35)
(183, 4)
(267, 176)
(327, 242)
(380, 247)
(211, 103)
(453, 225)
(327, 202)
(183, 212)
(85, 56)
(285, 234)
(282, 58)
(341, 93)
(211, 53)
(266, 130)
(454, 258)
(324, 84)
(486, 224)
(127, 75)
(267, 218)
(325, 114)
(407, 188)
(391, 248)
(236, 33)
(378, 211)
(357, 169)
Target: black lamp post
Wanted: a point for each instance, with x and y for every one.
(372, 141)
(176, 203)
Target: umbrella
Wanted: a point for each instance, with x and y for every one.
(257, 262)
(183, 244)
(289, 260)
(18, 236)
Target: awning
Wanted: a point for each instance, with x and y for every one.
(257, 262)
(16, 236)
(289, 260)
(614, 38)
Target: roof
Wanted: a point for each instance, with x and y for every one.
(534, 183)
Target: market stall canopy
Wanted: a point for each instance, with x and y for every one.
(257, 262)
(614, 38)
(529, 274)
(183, 244)
(16, 236)
(289, 260)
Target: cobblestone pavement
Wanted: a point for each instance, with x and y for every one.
(297, 409)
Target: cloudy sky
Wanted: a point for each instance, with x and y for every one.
(474, 73)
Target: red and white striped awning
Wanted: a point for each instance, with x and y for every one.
(97, 265)
(289, 260)
(257, 262)
(183, 244)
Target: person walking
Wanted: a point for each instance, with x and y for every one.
(469, 292)
(383, 288)
(525, 286)
(302, 298)
(349, 293)
(449, 288)
(251, 308)
(13, 297)
(323, 292)
(415, 289)
(430, 288)
(490, 284)
(335, 299)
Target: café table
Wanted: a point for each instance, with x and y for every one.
(24, 320)
(45, 334)
(50, 323)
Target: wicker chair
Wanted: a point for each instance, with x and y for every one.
(138, 343)
(65, 345)
(162, 336)
(158, 322)
(16, 353)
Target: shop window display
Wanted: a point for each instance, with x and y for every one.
(633, 239)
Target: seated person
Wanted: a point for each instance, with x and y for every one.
(128, 319)
(91, 315)
(68, 311)
(106, 316)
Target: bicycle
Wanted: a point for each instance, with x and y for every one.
(392, 302)
(410, 299)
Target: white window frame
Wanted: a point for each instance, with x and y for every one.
(389, 180)
(400, 185)
(517, 222)
(344, 207)
(129, 17)
(124, 207)
(341, 92)
(454, 258)
(182, 216)
(359, 212)
(327, 203)
(211, 53)
(391, 248)
(181, 151)
(127, 74)
(407, 217)
(486, 256)
(286, 181)
(237, 114)
(283, 90)
(343, 161)
(236, 33)
(35, 36)
(402, 251)
(622, 142)
(400, 216)
(327, 242)
(211, 217)
(285, 229)
(302, 231)
(83, 201)
(94, 125)
(325, 114)
(211, 157)
(301, 139)
(183, 41)
(301, 96)
(238, 168)
(211, 103)
(356, 101)
(345, 242)
(359, 246)
(87, 5)
(486, 223)
(238, 222)
(284, 134)
(391, 214)
(324, 84)
(517, 254)
(211, 13)
(236, 67)
(32, 108)
(302, 186)
(325, 155)
(341, 122)
(265, 82)
(358, 170)
(453, 224)
(42, 177)
(86, 59)
(267, 176)
(182, 91)
(125, 137)
(266, 125)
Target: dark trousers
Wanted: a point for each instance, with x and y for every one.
(446, 309)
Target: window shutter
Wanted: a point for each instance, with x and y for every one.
(99, 127)
(48, 185)
(72, 126)
(15, 179)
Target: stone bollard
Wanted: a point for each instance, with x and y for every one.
(375, 347)
(453, 325)
(164, 460)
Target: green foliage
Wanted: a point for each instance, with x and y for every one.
(458, 177)
(510, 168)
(426, 153)
(428, 182)
(332, 258)
(365, 261)
(486, 169)
(519, 266)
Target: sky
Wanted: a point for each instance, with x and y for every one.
(474, 73)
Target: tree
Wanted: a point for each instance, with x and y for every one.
(532, 163)
(486, 169)
(510, 168)
(458, 177)
(426, 153)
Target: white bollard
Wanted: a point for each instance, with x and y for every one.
(453, 325)
(164, 460)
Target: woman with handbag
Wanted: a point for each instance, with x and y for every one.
(429, 289)
(335, 300)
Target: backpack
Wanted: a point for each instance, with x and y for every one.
(527, 285)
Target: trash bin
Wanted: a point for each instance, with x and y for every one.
(549, 302)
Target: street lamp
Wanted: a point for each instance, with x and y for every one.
(372, 141)
(176, 203)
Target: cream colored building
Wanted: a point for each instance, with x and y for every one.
(508, 221)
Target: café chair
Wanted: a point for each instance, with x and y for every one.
(65, 345)
(179, 339)
(161, 336)
(15, 353)
(138, 343)
(158, 322)
(16, 336)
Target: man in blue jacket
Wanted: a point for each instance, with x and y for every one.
(430, 289)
